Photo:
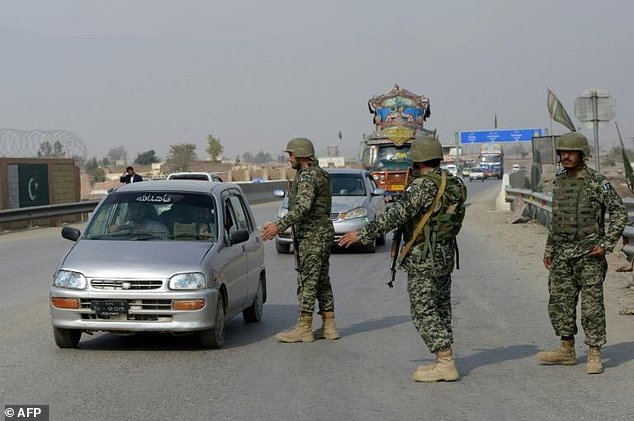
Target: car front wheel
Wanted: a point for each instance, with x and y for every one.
(66, 338)
(253, 313)
(215, 337)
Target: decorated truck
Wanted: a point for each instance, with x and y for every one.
(398, 116)
(492, 160)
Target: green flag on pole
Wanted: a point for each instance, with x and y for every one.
(558, 112)
(629, 173)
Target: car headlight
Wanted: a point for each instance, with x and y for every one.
(282, 212)
(187, 281)
(354, 213)
(69, 279)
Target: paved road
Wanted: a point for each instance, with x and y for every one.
(500, 323)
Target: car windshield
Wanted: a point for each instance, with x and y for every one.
(347, 185)
(158, 216)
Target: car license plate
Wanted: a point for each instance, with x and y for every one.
(398, 187)
(109, 308)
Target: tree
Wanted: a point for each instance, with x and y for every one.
(247, 157)
(58, 149)
(146, 158)
(117, 154)
(181, 156)
(262, 157)
(45, 150)
(96, 172)
(48, 151)
(214, 147)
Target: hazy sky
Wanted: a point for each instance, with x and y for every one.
(149, 73)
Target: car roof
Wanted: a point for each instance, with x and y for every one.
(193, 186)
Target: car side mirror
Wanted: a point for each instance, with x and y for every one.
(279, 193)
(378, 192)
(238, 237)
(70, 233)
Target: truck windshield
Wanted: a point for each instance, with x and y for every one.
(393, 157)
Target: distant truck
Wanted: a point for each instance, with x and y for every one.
(398, 116)
(492, 160)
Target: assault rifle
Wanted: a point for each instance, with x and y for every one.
(396, 244)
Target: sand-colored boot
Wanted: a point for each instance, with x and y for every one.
(594, 365)
(303, 331)
(565, 355)
(328, 329)
(444, 369)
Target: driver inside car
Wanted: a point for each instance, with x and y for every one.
(139, 221)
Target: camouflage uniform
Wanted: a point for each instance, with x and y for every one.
(309, 212)
(579, 205)
(428, 268)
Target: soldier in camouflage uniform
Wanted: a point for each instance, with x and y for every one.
(431, 259)
(575, 252)
(309, 215)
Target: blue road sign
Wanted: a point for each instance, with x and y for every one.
(499, 136)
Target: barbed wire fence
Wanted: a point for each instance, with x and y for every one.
(16, 143)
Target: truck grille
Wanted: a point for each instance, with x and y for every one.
(395, 177)
(125, 284)
(334, 216)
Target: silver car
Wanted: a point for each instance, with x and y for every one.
(356, 200)
(164, 256)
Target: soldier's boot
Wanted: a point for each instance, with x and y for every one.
(565, 355)
(594, 365)
(444, 369)
(303, 331)
(328, 329)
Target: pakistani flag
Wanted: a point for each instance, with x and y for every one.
(558, 112)
(627, 165)
(28, 185)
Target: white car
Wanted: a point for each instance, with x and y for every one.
(201, 176)
(453, 170)
(476, 174)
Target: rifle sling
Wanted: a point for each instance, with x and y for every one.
(421, 225)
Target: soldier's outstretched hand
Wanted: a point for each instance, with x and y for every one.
(269, 231)
(548, 262)
(348, 239)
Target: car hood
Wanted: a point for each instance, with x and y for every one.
(346, 203)
(132, 259)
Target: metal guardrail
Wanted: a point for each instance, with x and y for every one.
(255, 193)
(539, 206)
(48, 211)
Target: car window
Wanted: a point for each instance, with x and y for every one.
(347, 185)
(135, 216)
(242, 220)
(200, 177)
